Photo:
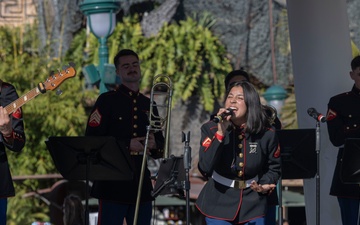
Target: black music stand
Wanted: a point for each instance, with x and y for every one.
(171, 177)
(350, 167)
(298, 155)
(90, 158)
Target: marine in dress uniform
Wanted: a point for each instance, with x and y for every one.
(123, 114)
(14, 142)
(343, 121)
(231, 163)
(273, 199)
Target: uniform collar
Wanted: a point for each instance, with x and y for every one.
(128, 91)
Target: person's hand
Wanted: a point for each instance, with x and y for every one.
(224, 123)
(5, 122)
(137, 144)
(262, 188)
(151, 141)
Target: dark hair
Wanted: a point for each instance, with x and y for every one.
(124, 52)
(257, 119)
(73, 211)
(234, 73)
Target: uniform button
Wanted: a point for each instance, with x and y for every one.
(347, 128)
(355, 125)
(241, 164)
(350, 116)
(135, 134)
(241, 137)
(134, 101)
(240, 145)
(135, 108)
(240, 173)
(135, 117)
(241, 155)
(120, 118)
(130, 93)
(135, 126)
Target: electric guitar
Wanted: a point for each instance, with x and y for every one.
(51, 83)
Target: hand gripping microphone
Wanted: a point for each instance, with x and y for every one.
(228, 112)
(316, 115)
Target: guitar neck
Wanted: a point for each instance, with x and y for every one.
(12, 107)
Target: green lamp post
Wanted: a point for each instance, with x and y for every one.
(275, 95)
(101, 18)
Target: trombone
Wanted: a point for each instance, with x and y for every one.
(162, 86)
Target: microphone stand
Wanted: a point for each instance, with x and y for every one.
(187, 167)
(317, 176)
(319, 118)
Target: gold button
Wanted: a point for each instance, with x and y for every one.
(135, 134)
(130, 93)
(135, 108)
(240, 145)
(240, 173)
(135, 126)
(241, 137)
(241, 155)
(135, 117)
(134, 101)
(241, 164)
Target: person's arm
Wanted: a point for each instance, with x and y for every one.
(336, 124)
(11, 126)
(211, 143)
(273, 165)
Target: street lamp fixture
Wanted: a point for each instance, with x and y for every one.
(101, 19)
(275, 95)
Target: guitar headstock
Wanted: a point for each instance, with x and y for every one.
(55, 80)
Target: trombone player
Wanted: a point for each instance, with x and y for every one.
(123, 113)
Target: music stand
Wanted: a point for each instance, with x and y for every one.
(350, 169)
(298, 155)
(90, 158)
(171, 177)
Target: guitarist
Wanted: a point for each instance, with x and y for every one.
(12, 137)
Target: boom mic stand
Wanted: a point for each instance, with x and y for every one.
(187, 167)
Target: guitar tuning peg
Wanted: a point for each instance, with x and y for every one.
(58, 91)
(64, 67)
(52, 73)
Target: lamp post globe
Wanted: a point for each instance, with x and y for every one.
(101, 19)
(275, 95)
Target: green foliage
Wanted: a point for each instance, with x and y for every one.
(192, 57)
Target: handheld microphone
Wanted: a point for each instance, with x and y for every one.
(228, 112)
(316, 115)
